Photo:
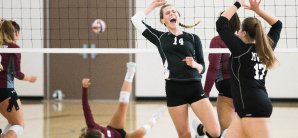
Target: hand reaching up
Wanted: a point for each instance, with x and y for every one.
(86, 82)
(254, 5)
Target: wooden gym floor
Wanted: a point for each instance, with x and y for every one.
(52, 119)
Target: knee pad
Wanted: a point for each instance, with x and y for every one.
(17, 129)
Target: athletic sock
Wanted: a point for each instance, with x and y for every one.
(131, 69)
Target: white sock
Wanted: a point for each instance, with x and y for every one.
(131, 69)
(159, 113)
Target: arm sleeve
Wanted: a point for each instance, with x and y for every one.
(137, 21)
(87, 111)
(233, 42)
(199, 52)
(147, 31)
(214, 63)
(274, 32)
(17, 66)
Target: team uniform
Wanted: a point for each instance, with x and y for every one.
(108, 131)
(218, 71)
(248, 73)
(11, 69)
(183, 83)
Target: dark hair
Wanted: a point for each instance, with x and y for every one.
(180, 24)
(234, 23)
(16, 26)
(90, 133)
(264, 50)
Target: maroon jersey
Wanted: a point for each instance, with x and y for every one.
(218, 69)
(11, 63)
(107, 131)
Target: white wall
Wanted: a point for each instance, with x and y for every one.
(29, 15)
(281, 82)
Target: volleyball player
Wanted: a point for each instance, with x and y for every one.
(10, 104)
(115, 129)
(218, 72)
(252, 56)
(183, 61)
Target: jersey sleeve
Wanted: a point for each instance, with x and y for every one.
(17, 63)
(214, 63)
(17, 66)
(199, 52)
(87, 111)
(233, 42)
(274, 32)
(147, 31)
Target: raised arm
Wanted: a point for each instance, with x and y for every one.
(233, 42)
(275, 30)
(86, 108)
(255, 6)
(140, 16)
(232, 9)
(147, 31)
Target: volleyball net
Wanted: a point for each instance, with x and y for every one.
(53, 26)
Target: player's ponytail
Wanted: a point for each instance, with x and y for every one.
(7, 32)
(189, 26)
(264, 49)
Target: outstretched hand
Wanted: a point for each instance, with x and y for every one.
(1, 67)
(158, 3)
(86, 82)
(32, 79)
(254, 5)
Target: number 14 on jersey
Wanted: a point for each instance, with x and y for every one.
(180, 41)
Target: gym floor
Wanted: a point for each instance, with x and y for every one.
(65, 119)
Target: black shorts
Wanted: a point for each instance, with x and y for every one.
(122, 132)
(224, 88)
(187, 92)
(252, 103)
(6, 93)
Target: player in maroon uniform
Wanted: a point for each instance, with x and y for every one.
(252, 56)
(218, 72)
(10, 104)
(116, 125)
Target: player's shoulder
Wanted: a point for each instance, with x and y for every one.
(216, 38)
(191, 35)
(10, 45)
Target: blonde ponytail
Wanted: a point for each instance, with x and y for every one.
(190, 26)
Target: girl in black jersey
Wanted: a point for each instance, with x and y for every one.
(252, 55)
(182, 57)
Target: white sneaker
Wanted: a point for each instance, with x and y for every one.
(195, 124)
(224, 133)
(131, 66)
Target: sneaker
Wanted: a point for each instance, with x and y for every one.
(224, 133)
(198, 127)
(131, 66)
